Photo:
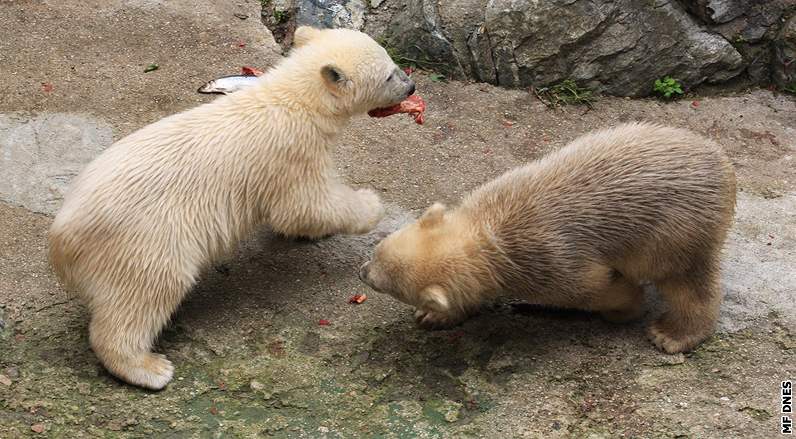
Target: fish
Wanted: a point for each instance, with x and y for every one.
(228, 84)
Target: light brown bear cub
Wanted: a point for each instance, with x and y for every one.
(143, 220)
(582, 228)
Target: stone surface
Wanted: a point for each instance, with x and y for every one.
(39, 155)
(331, 13)
(751, 26)
(282, 16)
(618, 47)
(784, 67)
(718, 11)
(740, 20)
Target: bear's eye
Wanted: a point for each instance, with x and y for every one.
(389, 78)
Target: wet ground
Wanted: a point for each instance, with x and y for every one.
(251, 358)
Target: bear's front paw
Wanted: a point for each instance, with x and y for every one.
(673, 336)
(436, 320)
(371, 211)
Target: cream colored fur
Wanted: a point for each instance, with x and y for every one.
(143, 220)
(582, 228)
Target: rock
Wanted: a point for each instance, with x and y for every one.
(750, 26)
(784, 63)
(40, 155)
(739, 20)
(4, 380)
(256, 385)
(417, 33)
(37, 428)
(282, 16)
(334, 14)
(618, 47)
(716, 11)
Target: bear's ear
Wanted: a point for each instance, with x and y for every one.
(436, 299)
(334, 79)
(433, 215)
(304, 34)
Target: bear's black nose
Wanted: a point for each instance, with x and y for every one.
(411, 89)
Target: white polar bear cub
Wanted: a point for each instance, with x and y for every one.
(142, 221)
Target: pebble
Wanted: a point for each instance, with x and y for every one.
(256, 385)
(4, 380)
(37, 428)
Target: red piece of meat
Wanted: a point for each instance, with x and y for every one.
(357, 299)
(250, 71)
(413, 105)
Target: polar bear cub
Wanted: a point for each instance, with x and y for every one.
(579, 228)
(143, 219)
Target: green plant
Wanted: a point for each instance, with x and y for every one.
(281, 16)
(668, 87)
(790, 88)
(566, 92)
(438, 77)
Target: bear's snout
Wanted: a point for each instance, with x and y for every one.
(363, 272)
(411, 88)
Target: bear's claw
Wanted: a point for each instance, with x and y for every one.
(154, 372)
(435, 320)
(658, 335)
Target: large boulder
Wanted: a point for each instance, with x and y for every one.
(618, 47)
(614, 46)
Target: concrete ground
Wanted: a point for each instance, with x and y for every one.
(251, 359)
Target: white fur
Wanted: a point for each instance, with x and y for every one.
(143, 220)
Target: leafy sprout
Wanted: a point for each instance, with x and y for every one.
(668, 87)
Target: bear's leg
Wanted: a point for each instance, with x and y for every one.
(693, 301)
(124, 325)
(621, 301)
(316, 211)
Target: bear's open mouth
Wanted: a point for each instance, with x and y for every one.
(413, 105)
